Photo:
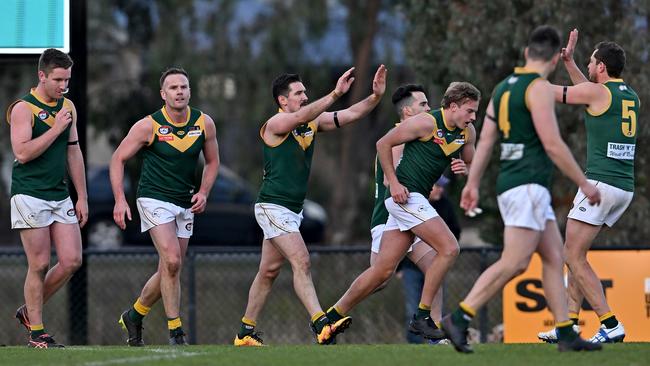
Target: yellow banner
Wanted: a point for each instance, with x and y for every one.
(625, 275)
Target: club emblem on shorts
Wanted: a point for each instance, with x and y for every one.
(70, 212)
(422, 208)
(164, 130)
(440, 134)
(582, 209)
(188, 226)
(42, 115)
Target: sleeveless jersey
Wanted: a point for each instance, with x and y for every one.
(45, 176)
(287, 166)
(523, 158)
(424, 160)
(170, 160)
(611, 137)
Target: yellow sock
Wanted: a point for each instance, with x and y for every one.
(467, 309)
(174, 323)
(247, 321)
(606, 316)
(316, 316)
(567, 323)
(424, 307)
(140, 308)
(36, 327)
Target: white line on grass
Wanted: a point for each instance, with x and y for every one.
(169, 355)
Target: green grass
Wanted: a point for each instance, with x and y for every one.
(631, 354)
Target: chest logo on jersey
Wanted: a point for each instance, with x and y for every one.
(304, 135)
(166, 138)
(164, 130)
(440, 133)
(42, 115)
(194, 131)
(180, 133)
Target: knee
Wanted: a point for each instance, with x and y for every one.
(72, 264)
(301, 264)
(39, 267)
(172, 264)
(450, 251)
(270, 273)
(519, 267)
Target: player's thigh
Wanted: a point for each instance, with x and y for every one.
(519, 244)
(579, 237)
(291, 246)
(37, 245)
(271, 259)
(67, 241)
(394, 246)
(437, 235)
(165, 240)
(550, 245)
(422, 255)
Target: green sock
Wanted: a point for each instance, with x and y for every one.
(245, 329)
(135, 316)
(320, 323)
(461, 317)
(37, 333)
(574, 320)
(333, 314)
(565, 331)
(610, 322)
(422, 313)
(176, 331)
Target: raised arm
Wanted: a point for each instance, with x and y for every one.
(594, 95)
(211, 155)
(489, 136)
(25, 148)
(409, 130)
(543, 114)
(577, 77)
(77, 171)
(140, 135)
(356, 111)
(283, 123)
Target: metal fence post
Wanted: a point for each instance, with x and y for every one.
(191, 293)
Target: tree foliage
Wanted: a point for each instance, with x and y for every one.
(452, 40)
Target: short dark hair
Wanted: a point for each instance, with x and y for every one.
(280, 85)
(172, 71)
(51, 59)
(459, 92)
(613, 56)
(543, 43)
(403, 95)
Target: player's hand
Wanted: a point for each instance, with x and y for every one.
(399, 193)
(469, 199)
(81, 208)
(458, 166)
(344, 82)
(199, 200)
(591, 192)
(119, 211)
(379, 82)
(567, 52)
(62, 120)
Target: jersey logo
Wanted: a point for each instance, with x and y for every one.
(513, 80)
(180, 133)
(164, 130)
(42, 115)
(622, 87)
(304, 134)
(166, 138)
(440, 134)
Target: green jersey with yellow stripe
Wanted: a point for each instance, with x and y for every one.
(287, 166)
(171, 157)
(45, 176)
(523, 158)
(424, 160)
(611, 137)
(379, 212)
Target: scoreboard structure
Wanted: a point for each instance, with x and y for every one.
(31, 26)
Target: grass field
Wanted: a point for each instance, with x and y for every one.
(631, 354)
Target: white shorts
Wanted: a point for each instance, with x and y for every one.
(376, 233)
(276, 220)
(415, 211)
(155, 212)
(29, 212)
(527, 206)
(613, 202)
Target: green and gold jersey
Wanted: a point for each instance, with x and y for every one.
(171, 157)
(286, 167)
(523, 158)
(424, 160)
(379, 211)
(45, 176)
(611, 137)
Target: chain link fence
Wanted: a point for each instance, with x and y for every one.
(215, 284)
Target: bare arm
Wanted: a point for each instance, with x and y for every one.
(591, 94)
(25, 148)
(577, 77)
(139, 136)
(461, 166)
(211, 155)
(409, 130)
(489, 136)
(397, 152)
(283, 123)
(543, 114)
(359, 110)
(77, 172)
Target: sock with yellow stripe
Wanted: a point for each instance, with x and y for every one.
(138, 311)
(334, 314)
(608, 320)
(319, 320)
(175, 326)
(247, 327)
(565, 331)
(36, 330)
(423, 311)
(574, 318)
(463, 315)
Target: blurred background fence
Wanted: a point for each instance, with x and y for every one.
(215, 283)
